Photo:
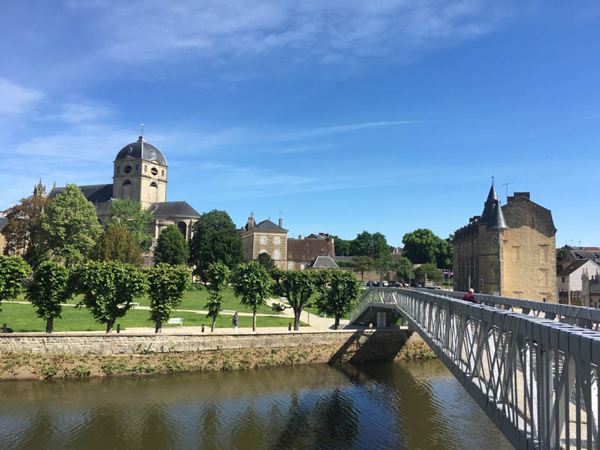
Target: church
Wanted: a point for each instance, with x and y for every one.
(140, 174)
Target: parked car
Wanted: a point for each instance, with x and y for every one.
(372, 283)
(395, 284)
(415, 284)
(386, 283)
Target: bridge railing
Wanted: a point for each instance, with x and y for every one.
(536, 378)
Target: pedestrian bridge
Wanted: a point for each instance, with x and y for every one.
(531, 366)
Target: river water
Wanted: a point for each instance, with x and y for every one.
(413, 405)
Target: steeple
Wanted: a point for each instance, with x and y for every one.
(492, 212)
(39, 189)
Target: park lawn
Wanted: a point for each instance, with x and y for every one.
(195, 300)
(22, 318)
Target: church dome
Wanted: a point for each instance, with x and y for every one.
(142, 150)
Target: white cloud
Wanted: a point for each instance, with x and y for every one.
(80, 112)
(330, 31)
(17, 99)
(325, 131)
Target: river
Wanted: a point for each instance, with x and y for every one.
(412, 405)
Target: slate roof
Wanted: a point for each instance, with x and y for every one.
(266, 225)
(168, 210)
(97, 193)
(142, 150)
(567, 268)
(324, 262)
(3, 222)
(307, 249)
(585, 254)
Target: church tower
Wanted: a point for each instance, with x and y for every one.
(140, 174)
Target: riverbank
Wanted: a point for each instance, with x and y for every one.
(25, 356)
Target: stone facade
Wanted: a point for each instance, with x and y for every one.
(265, 237)
(508, 251)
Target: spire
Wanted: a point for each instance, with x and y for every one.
(497, 221)
(488, 208)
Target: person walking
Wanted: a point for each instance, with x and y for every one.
(234, 320)
(470, 297)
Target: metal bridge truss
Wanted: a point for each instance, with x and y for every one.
(536, 378)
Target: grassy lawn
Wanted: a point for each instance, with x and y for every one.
(22, 318)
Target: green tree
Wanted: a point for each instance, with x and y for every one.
(444, 258)
(561, 254)
(421, 246)
(118, 244)
(367, 244)
(429, 272)
(252, 283)
(383, 265)
(218, 275)
(341, 246)
(341, 293)
(171, 247)
(108, 288)
(215, 239)
(297, 287)
(21, 231)
(69, 227)
(362, 264)
(130, 214)
(265, 260)
(403, 269)
(13, 271)
(48, 289)
(166, 287)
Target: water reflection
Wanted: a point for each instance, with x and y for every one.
(403, 406)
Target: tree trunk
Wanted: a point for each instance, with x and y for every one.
(212, 327)
(49, 325)
(297, 319)
(254, 320)
(362, 275)
(109, 325)
(337, 322)
(158, 328)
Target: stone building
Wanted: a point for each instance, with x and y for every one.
(569, 276)
(303, 253)
(3, 223)
(140, 174)
(265, 237)
(509, 250)
(591, 289)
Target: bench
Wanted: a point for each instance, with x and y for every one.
(176, 321)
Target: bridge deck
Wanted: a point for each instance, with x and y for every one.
(534, 373)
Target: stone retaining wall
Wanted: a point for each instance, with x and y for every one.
(115, 344)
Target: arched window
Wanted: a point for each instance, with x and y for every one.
(183, 228)
(126, 182)
(153, 184)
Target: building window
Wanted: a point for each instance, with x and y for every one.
(126, 183)
(145, 168)
(481, 283)
(263, 239)
(516, 253)
(544, 253)
(154, 171)
(153, 184)
(137, 167)
(163, 173)
(563, 279)
(182, 227)
(276, 255)
(127, 169)
(543, 277)
(118, 169)
(290, 256)
(277, 241)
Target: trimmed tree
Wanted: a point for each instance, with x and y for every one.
(69, 227)
(48, 289)
(166, 287)
(252, 283)
(218, 275)
(265, 260)
(297, 287)
(118, 244)
(215, 239)
(362, 264)
(171, 247)
(341, 293)
(108, 289)
(13, 271)
(130, 214)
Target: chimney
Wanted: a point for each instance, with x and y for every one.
(299, 236)
(510, 199)
(523, 194)
(280, 223)
(251, 222)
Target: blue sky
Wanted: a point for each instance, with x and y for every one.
(338, 116)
